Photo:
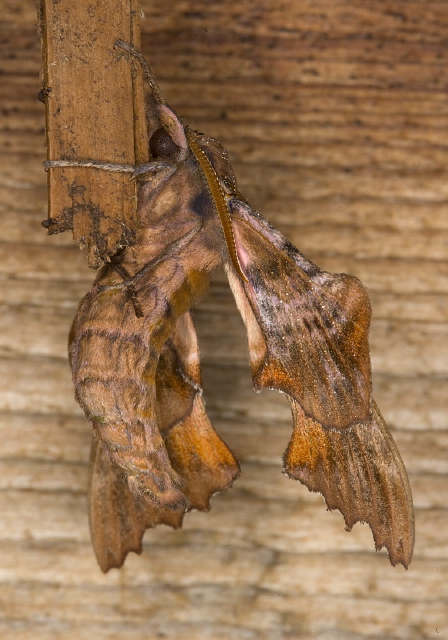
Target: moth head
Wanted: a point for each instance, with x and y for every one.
(161, 145)
(168, 142)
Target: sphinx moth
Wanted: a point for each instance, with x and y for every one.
(135, 358)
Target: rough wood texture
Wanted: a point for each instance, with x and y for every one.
(335, 116)
(79, 67)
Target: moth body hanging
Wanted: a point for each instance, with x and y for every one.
(138, 378)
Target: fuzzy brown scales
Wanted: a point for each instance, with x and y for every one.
(135, 359)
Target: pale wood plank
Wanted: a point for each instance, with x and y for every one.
(44, 387)
(335, 121)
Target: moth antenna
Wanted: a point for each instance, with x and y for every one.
(217, 194)
(150, 77)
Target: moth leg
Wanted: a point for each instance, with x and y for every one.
(156, 169)
(130, 288)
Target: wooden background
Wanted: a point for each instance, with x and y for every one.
(335, 116)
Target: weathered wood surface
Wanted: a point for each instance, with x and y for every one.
(79, 66)
(335, 116)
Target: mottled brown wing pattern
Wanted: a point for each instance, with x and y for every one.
(308, 337)
(359, 471)
(197, 453)
(204, 464)
(118, 518)
(316, 323)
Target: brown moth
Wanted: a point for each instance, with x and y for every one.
(135, 358)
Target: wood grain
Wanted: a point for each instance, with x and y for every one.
(335, 118)
(79, 65)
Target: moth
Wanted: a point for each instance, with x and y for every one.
(136, 370)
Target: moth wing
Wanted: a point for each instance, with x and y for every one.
(359, 471)
(204, 463)
(308, 337)
(197, 453)
(311, 340)
(117, 518)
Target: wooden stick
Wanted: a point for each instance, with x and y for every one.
(94, 101)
